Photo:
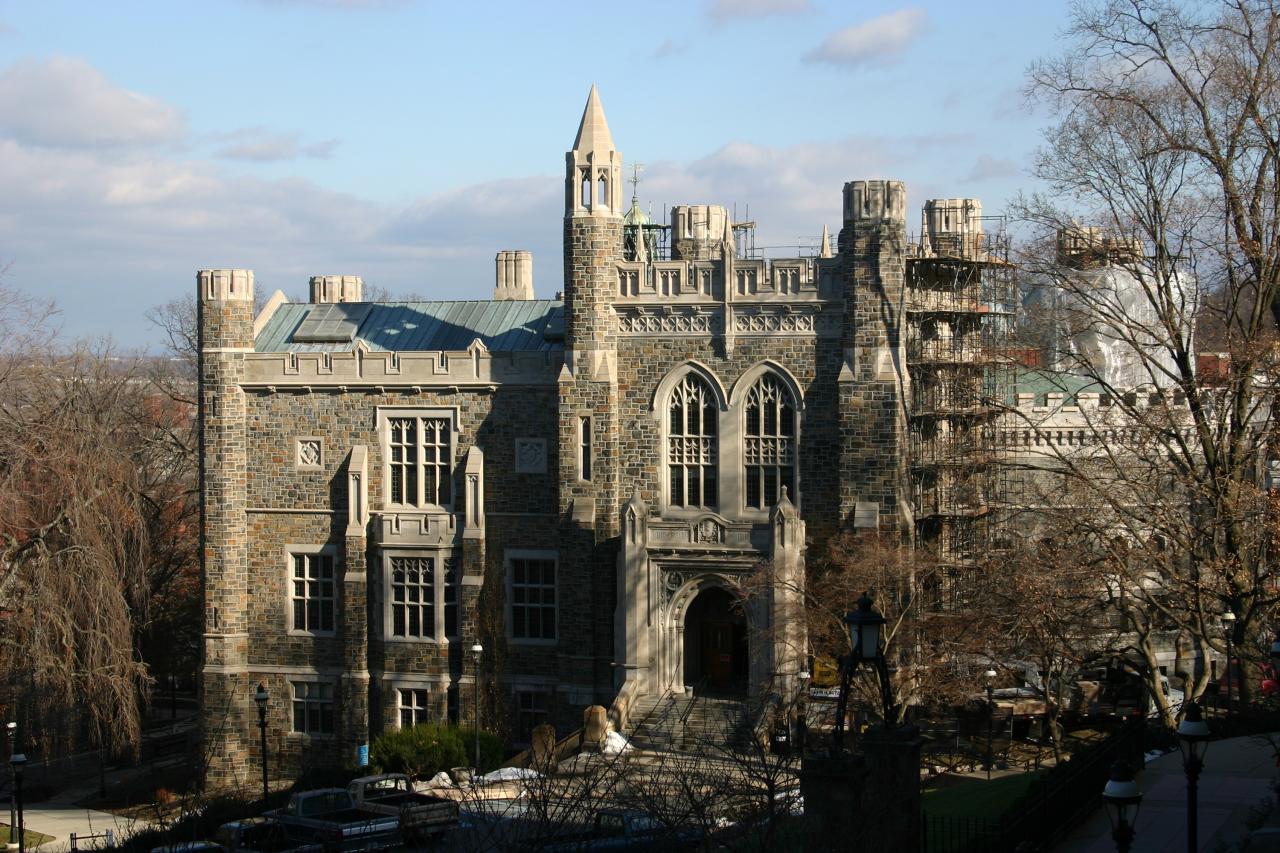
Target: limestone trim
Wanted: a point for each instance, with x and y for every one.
(661, 394)
(308, 452)
(290, 669)
(471, 369)
(508, 558)
(310, 550)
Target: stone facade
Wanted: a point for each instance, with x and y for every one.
(587, 517)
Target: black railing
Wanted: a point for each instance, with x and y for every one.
(1054, 804)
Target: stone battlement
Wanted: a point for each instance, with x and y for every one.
(874, 201)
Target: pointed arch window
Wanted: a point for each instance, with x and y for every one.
(691, 445)
(769, 444)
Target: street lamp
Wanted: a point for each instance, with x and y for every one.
(1122, 799)
(261, 698)
(1228, 626)
(1193, 740)
(865, 631)
(17, 762)
(476, 651)
(11, 729)
(990, 676)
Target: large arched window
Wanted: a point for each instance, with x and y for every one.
(691, 445)
(769, 444)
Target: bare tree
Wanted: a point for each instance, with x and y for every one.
(1167, 148)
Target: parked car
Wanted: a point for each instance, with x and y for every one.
(261, 835)
(616, 829)
(421, 815)
(329, 817)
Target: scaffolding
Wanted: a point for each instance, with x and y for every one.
(959, 305)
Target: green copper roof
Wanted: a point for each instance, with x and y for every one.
(524, 325)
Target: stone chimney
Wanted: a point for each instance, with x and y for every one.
(514, 275)
(337, 288)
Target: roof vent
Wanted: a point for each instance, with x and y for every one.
(332, 322)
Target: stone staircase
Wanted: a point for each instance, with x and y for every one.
(698, 724)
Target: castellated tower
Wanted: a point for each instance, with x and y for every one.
(588, 392)
(225, 319)
(873, 382)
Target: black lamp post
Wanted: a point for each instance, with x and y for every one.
(990, 676)
(11, 729)
(261, 698)
(18, 762)
(1193, 739)
(476, 651)
(1122, 799)
(1228, 626)
(865, 633)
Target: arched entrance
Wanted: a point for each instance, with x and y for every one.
(716, 652)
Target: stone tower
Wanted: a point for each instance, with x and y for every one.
(225, 337)
(873, 382)
(588, 390)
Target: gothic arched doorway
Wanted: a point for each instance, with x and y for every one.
(716, 653)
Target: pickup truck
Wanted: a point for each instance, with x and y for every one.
(260, 835)
(421, 815)
(329, 817)
(617, 829)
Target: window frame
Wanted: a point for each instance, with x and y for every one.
(716, 435)
(331, 700)
(509, 557)
(421, 713)
(298, 550)
(439, 601)
(386, 414)
(783, 387)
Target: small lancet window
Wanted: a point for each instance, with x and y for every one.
(585, 194)
(602, 197)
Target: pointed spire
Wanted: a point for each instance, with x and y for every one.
(826, 243)
(593, 130)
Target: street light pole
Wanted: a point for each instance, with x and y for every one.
(17, 762)
(476, 651)
(991, 714)
(1122, 799)
(1193, 739)
(11, 729)
(261, 698)
(1229, 623)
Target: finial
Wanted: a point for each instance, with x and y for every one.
(825, 252)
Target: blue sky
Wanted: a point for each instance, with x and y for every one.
(409, 141)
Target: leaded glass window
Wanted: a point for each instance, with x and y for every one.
(312, 592)
(769, 444)
(419, 453)
(691, 445)
(413, 597)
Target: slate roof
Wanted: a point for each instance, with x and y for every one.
(534, 324)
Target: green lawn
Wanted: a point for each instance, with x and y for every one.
(29, 839)
(978, 798)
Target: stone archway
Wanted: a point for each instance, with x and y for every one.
(717, 654)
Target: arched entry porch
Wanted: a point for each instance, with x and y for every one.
(717, 652)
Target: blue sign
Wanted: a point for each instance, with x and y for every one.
(362, 754)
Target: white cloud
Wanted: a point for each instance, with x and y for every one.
(987, 168)
(259, 144)
(65, 102)
(724, 10)
(667, 48)
(875, 42)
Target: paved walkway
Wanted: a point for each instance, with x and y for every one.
(59, 816)
(1237, 776)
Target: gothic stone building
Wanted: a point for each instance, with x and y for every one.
(579, 485)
